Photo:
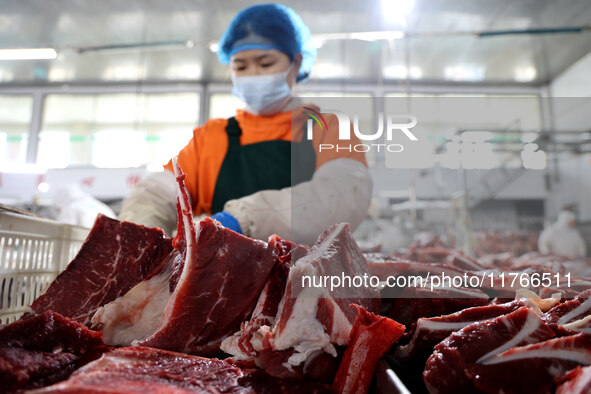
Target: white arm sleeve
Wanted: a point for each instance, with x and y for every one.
(581, 247)
(339, 191)
(543, 241)
(152, 202)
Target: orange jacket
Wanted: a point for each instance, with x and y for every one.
(203, 156)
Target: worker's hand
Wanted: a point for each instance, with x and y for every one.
(228, 221)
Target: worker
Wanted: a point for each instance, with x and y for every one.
(562, 237)
(239, 170)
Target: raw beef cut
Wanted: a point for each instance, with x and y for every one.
(532, 368)
(445, 371)
(44, 349)
(577, 381)
(115, 257)
(571, 316)
(427, 248)
(547, 292)
(246, 343)
(427, 332)
(311, 319)
(576, 284)
(146, 370)
(382, 267)
(458, 259)
(140, 311)
(311, 323)
(215, 284)
(416, 302)
(371, 337)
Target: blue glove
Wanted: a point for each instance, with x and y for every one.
(228, 221)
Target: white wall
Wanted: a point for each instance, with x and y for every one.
(571, 110)
(442, 183)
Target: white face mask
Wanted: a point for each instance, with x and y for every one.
(263, 94)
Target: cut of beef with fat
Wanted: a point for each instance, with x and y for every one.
(427, 332)
(415, 302)
(311, 323)
(371, 337)
(146, 370)
(445, 371)
(383, 266)
(202, 296)
(571, 316)
(140, 311)
(312, 320)
(577, 381)
(115, 257)
(223, 274)
(246, 343)
(44, 349)
(533, 368)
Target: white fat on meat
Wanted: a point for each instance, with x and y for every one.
(532, 323)
(230, 346)
(581, 325)
(548, 349)
(136, 314)
(257, 339)
(533, 300)
(583, 308)
(303, 332)
(306, 334)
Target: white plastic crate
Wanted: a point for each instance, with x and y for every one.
(33, 251)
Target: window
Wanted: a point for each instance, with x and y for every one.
(15, 117)
(115, 130)
(223, 105)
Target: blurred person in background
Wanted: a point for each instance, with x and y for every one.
(239, 170)
(562, 237)
(77, 207)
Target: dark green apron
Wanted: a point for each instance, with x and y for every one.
(267, 165)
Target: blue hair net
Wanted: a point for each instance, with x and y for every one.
(269, 26)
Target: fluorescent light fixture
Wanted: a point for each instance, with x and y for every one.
(60, 74)
(401, 72)
(525, 74)
(27, 53)
(124, 72)
(377, 35)
(318, 40)
(330, 70)
(214, 46)
(43, 187)
(397, 10)
(464, 72)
